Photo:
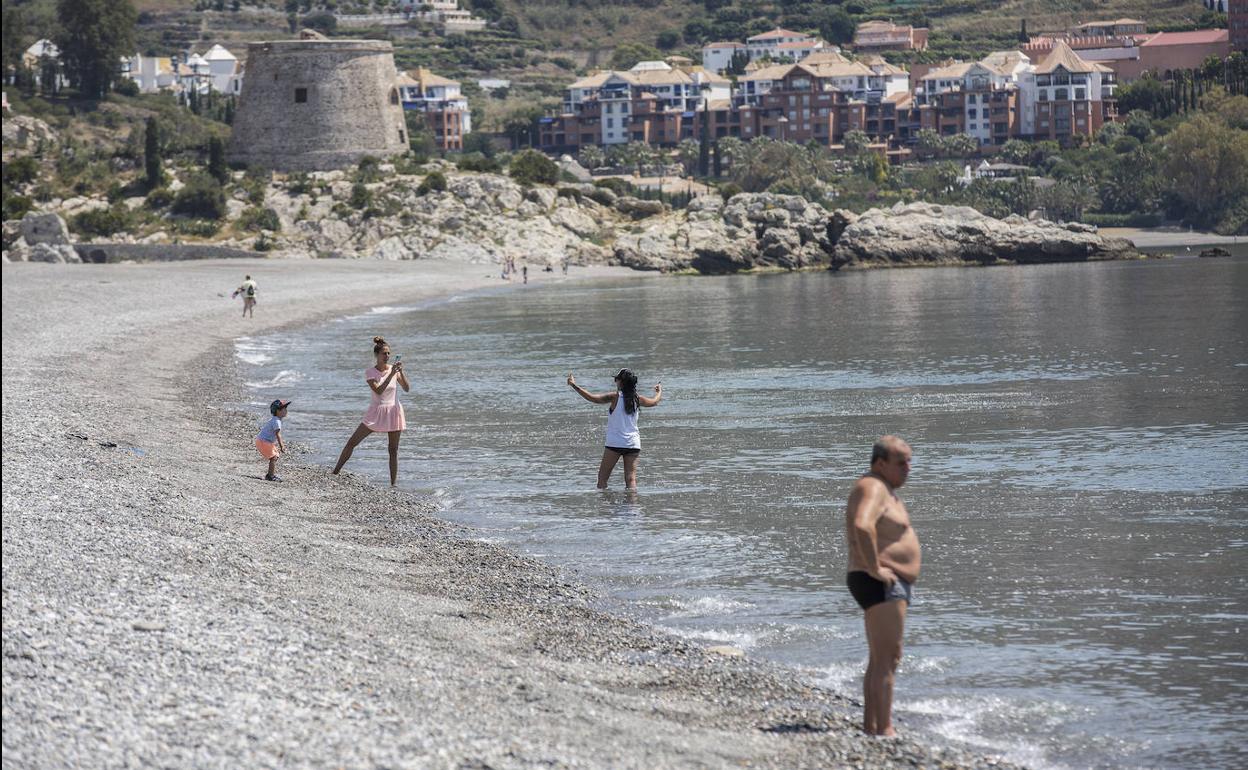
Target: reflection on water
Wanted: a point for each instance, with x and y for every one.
(1080, 477)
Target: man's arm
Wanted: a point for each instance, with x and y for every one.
(866, 505)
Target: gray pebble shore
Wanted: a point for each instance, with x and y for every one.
(165, 607)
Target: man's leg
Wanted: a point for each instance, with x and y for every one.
(885, 624)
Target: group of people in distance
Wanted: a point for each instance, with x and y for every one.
(884, 553)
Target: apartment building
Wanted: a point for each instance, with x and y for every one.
(1064, 96)
(653, 102)
(980, 99)
(876, 36)
(442, 102)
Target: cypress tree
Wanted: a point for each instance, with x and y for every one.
(704, 145)
(151, 154)
(216, 160)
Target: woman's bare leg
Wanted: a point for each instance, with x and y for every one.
(360, 433)
(630, 470)
(394, 455)
(609, 459)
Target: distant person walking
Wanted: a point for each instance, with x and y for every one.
(565, 267)
(385, 413)
(623, 438)
(525, 269)
(248, 292)
(884, 562)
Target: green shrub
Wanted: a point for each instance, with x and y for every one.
(21, 170)
(361, 197)
(476, 161)
(196, 228)
(615, 185)
(1122, 220)
(16, 206)
(263, 243)
(159, 198)
(730, 189)
(103, 222)
(126, 87)
(369, 170)
(532, 167)
(256, 218)
(435, 181)
(298, 183)
(202, 198)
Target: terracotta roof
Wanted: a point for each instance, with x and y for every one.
(900, 98)
(801, 44)
(1196, 37)
(838, 69)
(592, 81)
(1062, 56)
(1004, 62)
(719, 104)
(777, 32)
(774, 72)
(1115, 22)
(724, 45)
(949, 72)
(825, 57)
(660, 77)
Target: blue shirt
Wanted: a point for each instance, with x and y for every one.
(269, 431)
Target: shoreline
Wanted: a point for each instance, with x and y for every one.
(164, 605)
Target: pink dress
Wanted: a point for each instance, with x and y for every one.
(385, 413)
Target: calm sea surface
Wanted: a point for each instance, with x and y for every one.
(1080, 479)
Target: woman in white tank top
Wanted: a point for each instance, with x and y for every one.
(623, 439)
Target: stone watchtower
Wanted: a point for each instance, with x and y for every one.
(316, 104)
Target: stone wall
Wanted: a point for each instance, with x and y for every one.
(317, 105)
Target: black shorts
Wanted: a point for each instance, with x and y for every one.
(868, 591)
(624, 450)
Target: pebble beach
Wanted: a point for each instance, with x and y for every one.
(164, 606)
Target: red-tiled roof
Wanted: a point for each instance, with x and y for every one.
(1198, 37)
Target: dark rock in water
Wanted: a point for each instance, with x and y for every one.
(1215, 251)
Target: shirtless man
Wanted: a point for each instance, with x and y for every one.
(883, 565)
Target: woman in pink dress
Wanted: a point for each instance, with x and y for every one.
(385, 413)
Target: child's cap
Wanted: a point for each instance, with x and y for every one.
(278, 405)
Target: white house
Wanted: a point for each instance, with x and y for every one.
(717, 56)
(223, 70)
(767, 45)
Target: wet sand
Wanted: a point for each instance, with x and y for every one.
(163, 605)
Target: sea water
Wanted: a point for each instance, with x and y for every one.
(1079, 485)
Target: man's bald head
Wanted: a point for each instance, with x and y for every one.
(885, 446)
(890, 459)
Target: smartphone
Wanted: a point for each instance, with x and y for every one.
(398, 359)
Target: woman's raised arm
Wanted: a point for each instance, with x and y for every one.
(593, 398)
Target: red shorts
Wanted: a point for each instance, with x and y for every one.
(268, 449)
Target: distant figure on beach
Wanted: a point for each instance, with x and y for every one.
(883, 566)
(565, 266)
(269, 439)
(248, 290)
(526, 272)
(623, 438)
(385, 413)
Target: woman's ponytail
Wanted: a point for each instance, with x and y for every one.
(628, 388)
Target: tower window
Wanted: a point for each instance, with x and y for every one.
(301, 95)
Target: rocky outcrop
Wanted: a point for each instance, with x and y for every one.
(26, 132)
(929, 234)
(43, 238)
(487, 218)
